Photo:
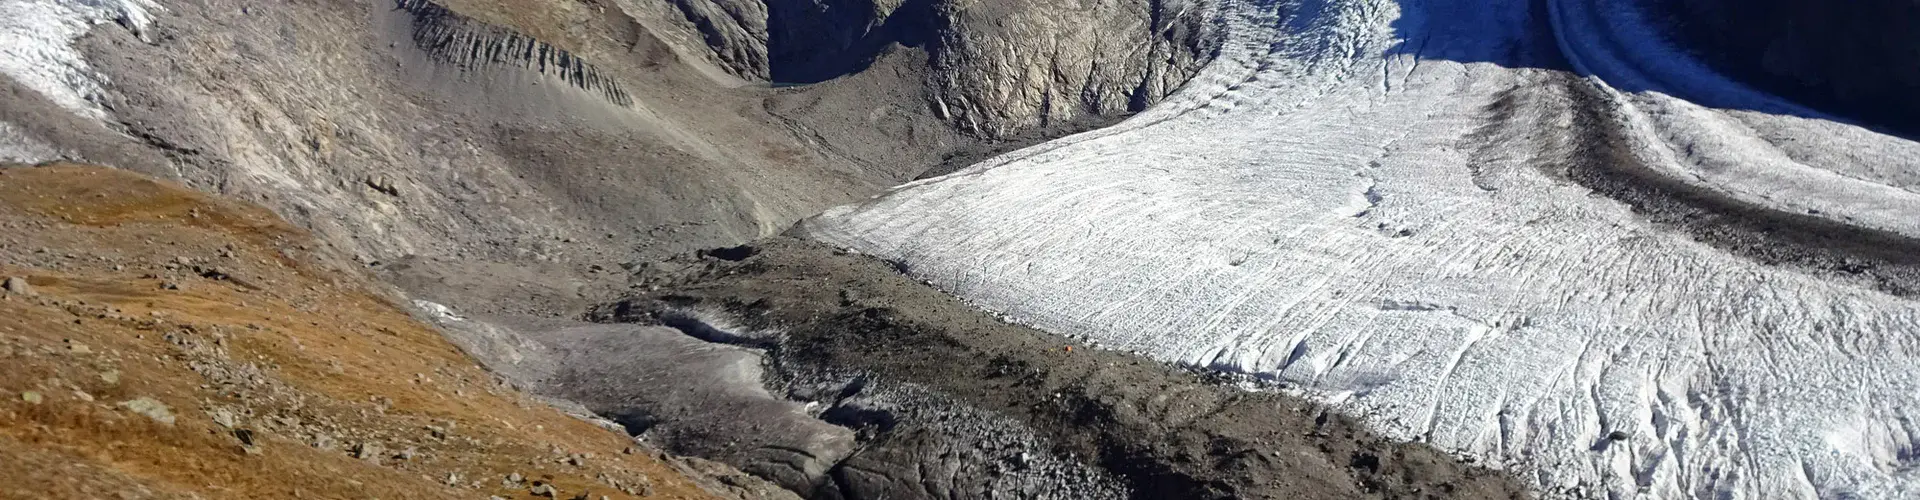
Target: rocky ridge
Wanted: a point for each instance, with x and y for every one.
(457, 40)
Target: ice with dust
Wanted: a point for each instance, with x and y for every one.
(17, 146)
(36, 45)
(1361, 198)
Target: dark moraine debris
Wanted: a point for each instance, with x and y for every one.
(1156, 430)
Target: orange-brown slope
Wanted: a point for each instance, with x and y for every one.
(161, 343)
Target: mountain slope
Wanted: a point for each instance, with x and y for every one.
(161, 343)
(467, 137)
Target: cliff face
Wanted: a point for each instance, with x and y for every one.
(1001, 68)
(994, 68)
(801, 41)
(1851, 58)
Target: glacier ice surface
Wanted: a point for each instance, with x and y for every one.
(1358, 198)
(36, 50)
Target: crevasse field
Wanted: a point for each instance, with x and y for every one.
(1360, 199)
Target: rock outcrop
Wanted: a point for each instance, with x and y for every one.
(1003, 67)
(996, 68)
(454, 39)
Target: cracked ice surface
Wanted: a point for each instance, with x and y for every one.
(36, 49)
(1325, 207)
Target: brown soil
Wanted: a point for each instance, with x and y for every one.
(1165, 431)
(247, 331)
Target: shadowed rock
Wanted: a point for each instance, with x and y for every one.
(1852, 58)
(995, 68)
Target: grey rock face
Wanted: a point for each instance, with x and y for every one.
(800, 41)
(997, 68)
(1003, 67)
(735, 31)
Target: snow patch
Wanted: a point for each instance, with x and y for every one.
(438, 312)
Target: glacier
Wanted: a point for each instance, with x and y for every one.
(1368, 201)
(36, 46)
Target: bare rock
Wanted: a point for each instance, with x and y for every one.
(18, 286)
(366, 451)
(995, 68)
(151, 408)
(1004, 67)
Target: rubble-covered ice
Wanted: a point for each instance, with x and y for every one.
(1361, 198)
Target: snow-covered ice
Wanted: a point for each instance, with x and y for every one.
(36, 50)
(1359, 198)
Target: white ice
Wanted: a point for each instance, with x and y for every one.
(1339, 202)
(36, 45)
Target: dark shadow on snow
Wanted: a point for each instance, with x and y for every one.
(1670, 53)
